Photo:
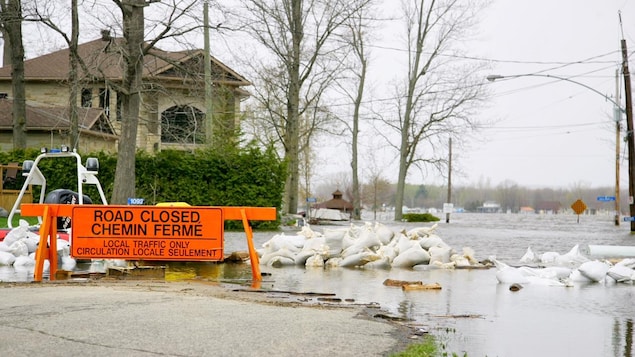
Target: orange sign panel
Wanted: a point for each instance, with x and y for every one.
(578, 207)
(147, 232)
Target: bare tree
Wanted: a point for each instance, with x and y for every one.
(439, 93)
(134, 49)
(43, 13)
(11, 22)
(298, 34)
(356, 37)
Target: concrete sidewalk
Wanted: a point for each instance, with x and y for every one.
(157, 318)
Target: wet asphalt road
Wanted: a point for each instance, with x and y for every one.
(177, 319)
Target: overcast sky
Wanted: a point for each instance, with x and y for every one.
(549, 133)
(553, 133)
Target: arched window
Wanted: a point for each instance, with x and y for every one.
(182, 124)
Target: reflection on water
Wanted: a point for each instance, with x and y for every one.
(180, 271)
(623, 346)
(472, 312)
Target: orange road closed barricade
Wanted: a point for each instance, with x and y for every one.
(147, 233)
(170, 231)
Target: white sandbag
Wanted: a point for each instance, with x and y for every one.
(283, 252)
(411, 257)
(280, 261)
(348, 240)
(301, 257)
(459, 260)
(440, 254)
(358, 259)
(353, 231)
(468, 253)
(627, 262)
(382, 263)
(404, 243)
(68, 263)
(432, 241)
(121, 263)
(549, 257)
(19, 248)
(621, 273)
(572, 258)
(384, 234)
(24, 261)
(333, 239)
(6, 258)
(387, 251)
(31, 241)
(4, 247)
(529, 257)
(333, 262)
(293, 243)
(308, 233)
(510, 275)
(17, 233)
(63, 248)
(577, 277)
(559, 272)
(367, 240)
(439, 265)
(594, 270)
(421, 232)
(315, 261)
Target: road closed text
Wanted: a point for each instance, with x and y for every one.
(175, 223)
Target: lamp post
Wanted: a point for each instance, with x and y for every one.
(631, 142)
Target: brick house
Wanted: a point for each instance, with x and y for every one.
(172, 113)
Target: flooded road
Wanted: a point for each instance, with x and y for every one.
(472, 312)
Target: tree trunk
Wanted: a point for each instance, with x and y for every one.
(125, 178)
(73, 78)
(292, 135)
(12, 22)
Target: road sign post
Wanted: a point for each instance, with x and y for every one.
(578, 207)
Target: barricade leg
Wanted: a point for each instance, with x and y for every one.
(47, 248)
(253, 255)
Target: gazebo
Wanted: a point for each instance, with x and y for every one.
(337, 202)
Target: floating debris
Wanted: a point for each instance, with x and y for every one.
(411, 287)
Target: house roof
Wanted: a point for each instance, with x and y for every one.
(47, 118)
(337, 202)
(103, 61)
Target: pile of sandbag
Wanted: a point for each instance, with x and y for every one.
(371, 245)
(19, 246)
(573, 267)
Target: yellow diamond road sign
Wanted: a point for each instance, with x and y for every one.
(578, 207)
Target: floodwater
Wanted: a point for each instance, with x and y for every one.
(472, 313)
(475, 314)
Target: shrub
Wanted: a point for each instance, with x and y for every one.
(420, 217)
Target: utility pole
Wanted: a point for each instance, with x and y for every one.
(447, 214)
(629, 132)
(617, 115)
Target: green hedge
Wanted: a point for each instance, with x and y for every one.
(233, 177)
(420, 217)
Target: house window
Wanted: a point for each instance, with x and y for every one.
(119, 106)
(104, 100)
(87, 98)
(182, 124)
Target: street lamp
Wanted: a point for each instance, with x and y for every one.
(493, 77)
(631, 142)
